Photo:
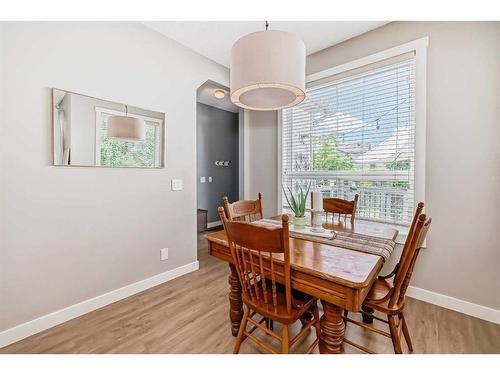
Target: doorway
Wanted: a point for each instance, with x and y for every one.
(217, 152)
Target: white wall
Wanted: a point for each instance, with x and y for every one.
(261, 158)
(69, 234)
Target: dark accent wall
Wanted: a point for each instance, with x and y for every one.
(217, 139)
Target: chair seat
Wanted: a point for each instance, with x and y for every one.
(379, 296)
(301, 302)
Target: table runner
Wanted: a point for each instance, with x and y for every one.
(352, 241)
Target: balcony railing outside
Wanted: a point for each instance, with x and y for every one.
(385, 197)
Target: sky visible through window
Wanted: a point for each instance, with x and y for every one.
(358, 134)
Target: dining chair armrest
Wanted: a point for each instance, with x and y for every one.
(393, 272)
(380, 300)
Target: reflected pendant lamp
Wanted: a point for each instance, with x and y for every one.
(268, 70)
(126, 128)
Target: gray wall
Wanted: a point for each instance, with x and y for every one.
(217, 139)
(261, 158)
(68, 234)
(241, 153)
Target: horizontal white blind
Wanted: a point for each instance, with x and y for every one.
(356, 135)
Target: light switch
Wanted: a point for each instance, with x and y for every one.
(203, 180)
(164, 253)
(210, 179)
(176, 184)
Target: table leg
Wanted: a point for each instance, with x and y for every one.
(332, 329)
(306, 318)
(366, 317)
(235, 303)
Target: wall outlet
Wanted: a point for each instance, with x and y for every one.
(164, 253)
(210, 179)
(203, 180)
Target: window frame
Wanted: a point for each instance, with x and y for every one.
(419, 47)
(158, 123)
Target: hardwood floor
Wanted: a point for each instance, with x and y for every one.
(191, 315)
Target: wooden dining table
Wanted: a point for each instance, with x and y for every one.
(339, 277)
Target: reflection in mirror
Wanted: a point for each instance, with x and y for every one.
(135, 138)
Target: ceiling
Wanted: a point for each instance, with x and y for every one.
(205, 95)
(214, 39)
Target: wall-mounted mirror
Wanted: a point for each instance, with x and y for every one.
(94, 132)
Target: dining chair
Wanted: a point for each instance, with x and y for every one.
(388, 296)
(244, 210)
(340, 207)
(261, 256)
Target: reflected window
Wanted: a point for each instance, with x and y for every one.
(119, 153)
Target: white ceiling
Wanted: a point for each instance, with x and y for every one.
(214, 39)
(206, 96)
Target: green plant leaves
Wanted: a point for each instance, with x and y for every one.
(297, 203)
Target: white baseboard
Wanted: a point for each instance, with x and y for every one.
(213, 224)
(469, 308)
(42, 323)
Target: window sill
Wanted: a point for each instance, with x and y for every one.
(402, 233)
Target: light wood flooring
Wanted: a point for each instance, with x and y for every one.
(191, 315)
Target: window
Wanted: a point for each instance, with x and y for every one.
(116, 153)
(355, 133)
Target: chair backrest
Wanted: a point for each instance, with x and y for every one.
(340, 207)
(244, 210)
(252, 247)
(418, 211)
(416, 236)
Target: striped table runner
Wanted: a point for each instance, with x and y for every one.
(352, 241)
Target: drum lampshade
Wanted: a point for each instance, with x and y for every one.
(268, 70)
(126, 128)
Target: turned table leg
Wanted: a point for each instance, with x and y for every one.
(306, 318)
(332, 329)
(235, 303)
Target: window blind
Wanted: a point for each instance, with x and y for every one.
(356, 135)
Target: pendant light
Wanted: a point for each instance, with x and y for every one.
(125, 128)
(268, 70)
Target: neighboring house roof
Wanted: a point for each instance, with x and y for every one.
(386, 152)
(353, 149)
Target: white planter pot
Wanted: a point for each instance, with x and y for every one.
(299, 222)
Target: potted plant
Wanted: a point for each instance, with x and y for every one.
(298, 205)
